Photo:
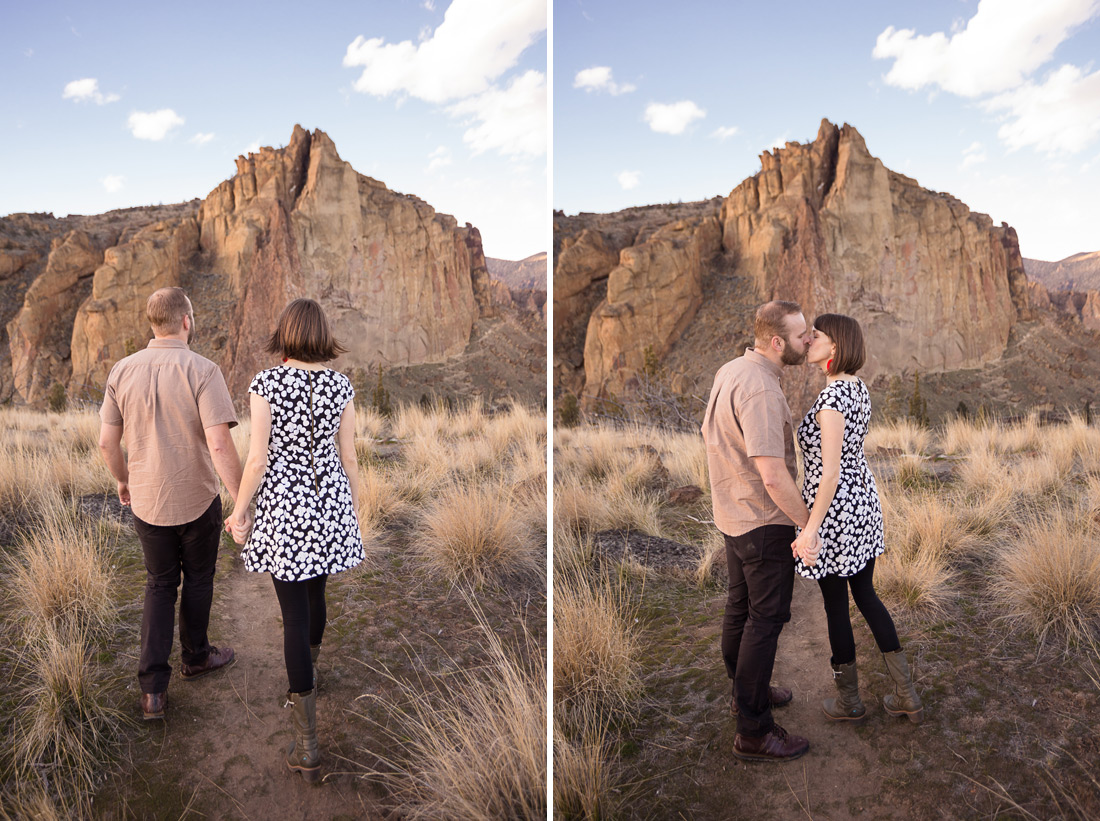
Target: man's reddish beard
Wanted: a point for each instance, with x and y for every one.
(789, 357)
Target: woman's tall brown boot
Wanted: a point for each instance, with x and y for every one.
(847, 706)
(303, 755)
(905, 702)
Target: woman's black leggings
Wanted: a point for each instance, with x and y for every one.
(304, 615)
(834, 591)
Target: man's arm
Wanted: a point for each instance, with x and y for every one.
(224, 455)
(781, 487)
(110, 445)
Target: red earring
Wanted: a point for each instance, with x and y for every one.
(285, 359)
(829, 365)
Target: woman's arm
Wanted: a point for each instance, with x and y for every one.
(256, 463)
(345, 443)
(831, 423)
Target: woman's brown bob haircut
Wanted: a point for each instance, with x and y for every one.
(302, 333)
(848, 338)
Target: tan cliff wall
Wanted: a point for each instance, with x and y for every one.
(935, 286)
(401, 283)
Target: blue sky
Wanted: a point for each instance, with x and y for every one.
(111, 105)
(997, 103)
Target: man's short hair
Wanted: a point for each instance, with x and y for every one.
(302, 333)
(166, 309)
(771, 319)
(846, 334)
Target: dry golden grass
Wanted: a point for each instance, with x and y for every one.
(60, 576)
(1049, 579)
(595, 649)
(923, 537)
(380, 500)
(902, 434)
(369, 423)
(473, 533)
(65, 732)
(476, 749)
(583, 786)
(714, 552)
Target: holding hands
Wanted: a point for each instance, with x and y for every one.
(807, 546)
(239, 524)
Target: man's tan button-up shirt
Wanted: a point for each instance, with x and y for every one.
(747, 415)
(164, 397)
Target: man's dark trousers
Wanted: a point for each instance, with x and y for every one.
(761, 570)
(192, 549)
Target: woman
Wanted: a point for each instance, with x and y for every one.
(301, 460)
(845, 512)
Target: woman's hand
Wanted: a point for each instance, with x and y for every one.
(807, 546)
(239, 524)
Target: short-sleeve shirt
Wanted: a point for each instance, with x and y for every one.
(747, 416)
(165, 397)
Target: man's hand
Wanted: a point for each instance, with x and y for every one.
(124, 493)
(239, 525)
(807, 546)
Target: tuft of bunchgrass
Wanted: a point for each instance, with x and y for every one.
(1049, 582)
(595, 648)
(61, 575)
(714, 553)
(65, 732)
(475, 534)
(900, 434)
(474, 746)
(582, 771)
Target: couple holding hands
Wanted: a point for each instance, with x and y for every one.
(175, 411)
(749, 436)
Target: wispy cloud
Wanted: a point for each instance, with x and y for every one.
(87, 90)
(511, 120)
(1059, 115)
(438, 159)
(629, 179)
(1003, 43)
(725, 132)
(598, 78)
(475, 44)
(973, 155)
(112, 183)
(673, 118)
(153, 125)
(201, 139)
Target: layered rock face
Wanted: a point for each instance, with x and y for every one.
(935, 286)
(400, 283)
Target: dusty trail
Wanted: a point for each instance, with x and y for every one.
(219, 752)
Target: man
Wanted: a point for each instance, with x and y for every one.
(750, 454)
(174, 409)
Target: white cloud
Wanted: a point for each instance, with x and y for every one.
(87, 89)
(201, 139)
(153, 125)
(725, 132)
(28, 52)
(598, 78)
(973, 154)
(1004, 42)
(112, 183)
(438, 159)
(475, 44)
(629, 179)
(253, 147)
(672, 118)
(429, 5)
(1062, 114)
(780, 141)
(512, 120)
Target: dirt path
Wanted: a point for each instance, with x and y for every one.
(219, 752)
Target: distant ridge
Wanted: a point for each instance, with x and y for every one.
(528, 273)
(1080, 272)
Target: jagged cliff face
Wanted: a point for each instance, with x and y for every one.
(401, 284)
(935, 286)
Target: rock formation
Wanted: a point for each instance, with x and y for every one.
(401, 284)
(935, 286)
(1080, 272)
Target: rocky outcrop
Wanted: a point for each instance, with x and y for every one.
(1080, 272)
(402, 284)
(935, 286)
(39, 334)
(111, 322)
(1038, 296)
(527, 274)
(652, 295)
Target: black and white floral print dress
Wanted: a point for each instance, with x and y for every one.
(851, 532)
(305, 523)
